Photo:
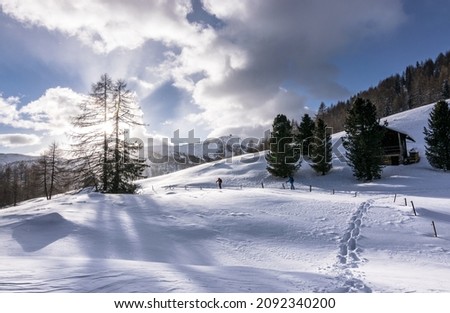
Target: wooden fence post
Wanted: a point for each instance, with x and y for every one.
(333, 191)
(262, 185)
(414, 209)
(395, 198)
(406, 202)
(434, 228)
(310, 188)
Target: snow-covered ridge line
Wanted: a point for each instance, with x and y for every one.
(6, 158)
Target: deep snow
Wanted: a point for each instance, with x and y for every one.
(182, 234)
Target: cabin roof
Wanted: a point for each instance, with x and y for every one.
(408, 137)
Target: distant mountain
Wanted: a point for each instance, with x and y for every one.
(167, 159)
(6, 158)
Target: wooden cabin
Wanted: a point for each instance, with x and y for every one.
(395, 148)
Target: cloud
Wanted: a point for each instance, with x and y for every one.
(264, 45)
(8, 109)
(108, 25)
(51, 113)
(18, 140)
(260, 58)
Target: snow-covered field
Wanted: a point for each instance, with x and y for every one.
(193, 237)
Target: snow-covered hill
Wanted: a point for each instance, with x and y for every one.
(182, 234)
(6, 158)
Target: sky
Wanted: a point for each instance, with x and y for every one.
(215, 67)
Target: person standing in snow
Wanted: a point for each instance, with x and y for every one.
(291, 181)
(219, 181)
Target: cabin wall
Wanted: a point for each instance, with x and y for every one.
(395, 149)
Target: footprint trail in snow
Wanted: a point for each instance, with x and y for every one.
(349, 252)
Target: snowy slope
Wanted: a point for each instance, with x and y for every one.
(182, 234)
(6, 158)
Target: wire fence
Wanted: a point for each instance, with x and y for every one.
(299, 188)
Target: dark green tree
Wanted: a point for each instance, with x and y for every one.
(445, 89)
(282, 159)
(437, 136)
(363, 140)
(322, 110)
(321, 148)
(305, 133)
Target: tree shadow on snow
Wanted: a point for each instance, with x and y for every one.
(39, 232)
(437, 216)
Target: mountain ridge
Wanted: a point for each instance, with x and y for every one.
(6, 158)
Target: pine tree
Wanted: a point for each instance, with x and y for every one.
(305, 133)
(91, 151)
(445, 89)
(363, 140)
(104, 159)
(282, 160)
(437, 136)
(321, 149)
(125, 169)
(322, 111)
(101, 95)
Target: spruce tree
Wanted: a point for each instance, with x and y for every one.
(321, 149)
(437, 136)
(282, 159)
(363, 140)
(305, 133)
(445, 89)
(322, 111)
